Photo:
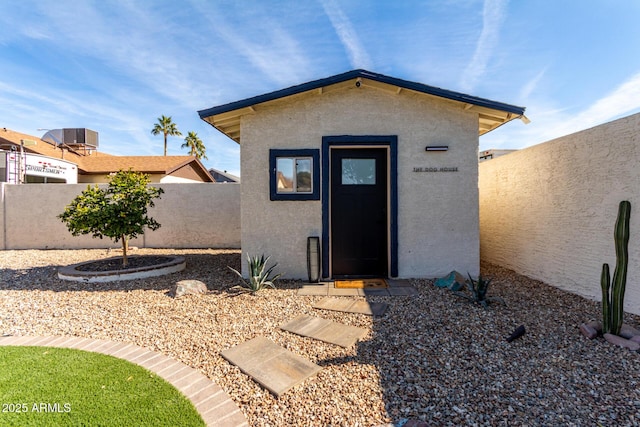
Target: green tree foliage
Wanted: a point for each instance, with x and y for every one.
(166, 127)
(195, 145)
(118, 212)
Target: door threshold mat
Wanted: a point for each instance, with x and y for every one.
(349, 305)
(362, 283)
(273, 367)
(325, 330)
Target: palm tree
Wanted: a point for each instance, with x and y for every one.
(195, 145)
(166, 127)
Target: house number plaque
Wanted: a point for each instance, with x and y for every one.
(436, 169)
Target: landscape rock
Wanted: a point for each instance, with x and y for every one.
(517, 333)
(622, 342)
(188, 287)
(595, 324)
(454, 281)
(635, 338)
(627, 331)
(588, 331)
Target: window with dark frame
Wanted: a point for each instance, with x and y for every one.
(294, 174)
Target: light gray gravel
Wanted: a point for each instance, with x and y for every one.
(433, 357)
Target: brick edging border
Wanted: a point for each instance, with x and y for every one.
(212, 403)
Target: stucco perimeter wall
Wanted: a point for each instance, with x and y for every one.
(191, 216)
(437, 212)
(549, 211)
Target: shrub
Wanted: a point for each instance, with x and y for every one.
(259, 274)
(478, 289)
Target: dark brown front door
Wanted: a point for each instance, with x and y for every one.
(358, 207)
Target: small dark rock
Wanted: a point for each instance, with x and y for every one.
(517, 333)
(588, 331)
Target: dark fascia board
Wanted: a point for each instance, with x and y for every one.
(197, 166)
(354, 74)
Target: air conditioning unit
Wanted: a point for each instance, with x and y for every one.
(80, 137)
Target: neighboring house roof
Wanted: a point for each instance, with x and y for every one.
(223, 176)
(226, 118)
(34, 144)
(95, 163)
(145, 164)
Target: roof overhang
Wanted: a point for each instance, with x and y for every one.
(491, 114)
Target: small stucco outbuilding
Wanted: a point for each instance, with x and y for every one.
(384, 171)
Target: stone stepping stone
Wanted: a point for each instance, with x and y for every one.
(325, 330)
(274, 367)
(349, 305)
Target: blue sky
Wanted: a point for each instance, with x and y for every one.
(116, 66)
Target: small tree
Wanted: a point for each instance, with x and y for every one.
(118, 212)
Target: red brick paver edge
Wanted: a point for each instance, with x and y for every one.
(214, 405)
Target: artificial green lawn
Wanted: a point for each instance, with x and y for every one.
(44, 386)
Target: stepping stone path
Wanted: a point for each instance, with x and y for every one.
(275, 368)
(325, 330)
(348, 305)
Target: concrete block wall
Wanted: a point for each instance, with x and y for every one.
(549, 211)
(191, 216)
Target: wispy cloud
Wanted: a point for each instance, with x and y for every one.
(262, 41)
(550, 122)
(358, 56)
(493, 14)
(531, 85)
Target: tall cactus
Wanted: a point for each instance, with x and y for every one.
(605, 284)
(613, 291)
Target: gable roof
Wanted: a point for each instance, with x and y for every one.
(226, 118)
(223, 176)
(164, 165)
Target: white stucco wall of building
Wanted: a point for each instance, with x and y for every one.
(437, 212)
(201, 215)
(549, 211)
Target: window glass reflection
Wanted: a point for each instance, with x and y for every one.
(358, 171)
(284, 174)
(303, 175)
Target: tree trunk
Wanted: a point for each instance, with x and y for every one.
(125, 248)
(165, 145)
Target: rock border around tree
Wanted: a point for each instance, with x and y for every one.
(76, 273)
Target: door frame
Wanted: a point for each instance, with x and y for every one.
(390, 142)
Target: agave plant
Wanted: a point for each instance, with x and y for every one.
(478, 289)
(259, 274)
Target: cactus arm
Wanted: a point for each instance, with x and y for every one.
(618, 284)
(605, 284)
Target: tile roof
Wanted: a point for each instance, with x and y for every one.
(146, 164)
(97, 162)
(8, 136)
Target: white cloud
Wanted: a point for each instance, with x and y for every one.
(549, 122)
(358, 56)
(493, 14)
(624, 99)
(531, 85)
(261, 40)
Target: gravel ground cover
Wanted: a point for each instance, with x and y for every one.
(434, 357)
